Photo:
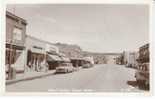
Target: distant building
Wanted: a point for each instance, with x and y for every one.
(130, 58)
(102, 58)
(77, 62)
(15, 39)
(120, 59)
(89, 59)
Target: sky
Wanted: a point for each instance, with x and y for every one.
(94, 27)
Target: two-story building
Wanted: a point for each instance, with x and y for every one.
(15, 39)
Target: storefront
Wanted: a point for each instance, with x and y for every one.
(41, 55)
(52, 57)
(56, 60)
(12, 56)
(36, 59)
(15, 49)
(53, 61)
(77, 62)
(36, 54)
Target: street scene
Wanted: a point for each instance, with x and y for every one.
(77, 48)
(100, 78)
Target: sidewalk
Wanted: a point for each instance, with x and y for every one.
(29, 76)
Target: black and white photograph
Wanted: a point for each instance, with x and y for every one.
(54, 47)
(77, 48)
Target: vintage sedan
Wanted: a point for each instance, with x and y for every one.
(65, 68)
(142, 75)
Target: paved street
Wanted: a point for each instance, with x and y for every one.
(105, 78)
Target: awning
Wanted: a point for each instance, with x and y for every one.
(66, 59)
(53, 58)
(15, 46)
(74, 58)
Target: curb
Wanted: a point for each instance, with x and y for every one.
(8, 82)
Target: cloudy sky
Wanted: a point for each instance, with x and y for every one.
(97, 28)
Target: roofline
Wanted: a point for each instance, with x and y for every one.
(15, 17)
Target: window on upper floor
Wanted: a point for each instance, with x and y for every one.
(17, 33)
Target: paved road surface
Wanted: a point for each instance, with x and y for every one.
(103, 78)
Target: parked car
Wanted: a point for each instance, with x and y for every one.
(87, 65)
(142, 75)
(65, 68)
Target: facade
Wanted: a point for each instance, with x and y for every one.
(15, 39)
(56, 59)
(107, 58)
(77, 62)
(98, 58)
(102, 58)
(42, 55)
(35, 54)
(111, 58)
(130, 59)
